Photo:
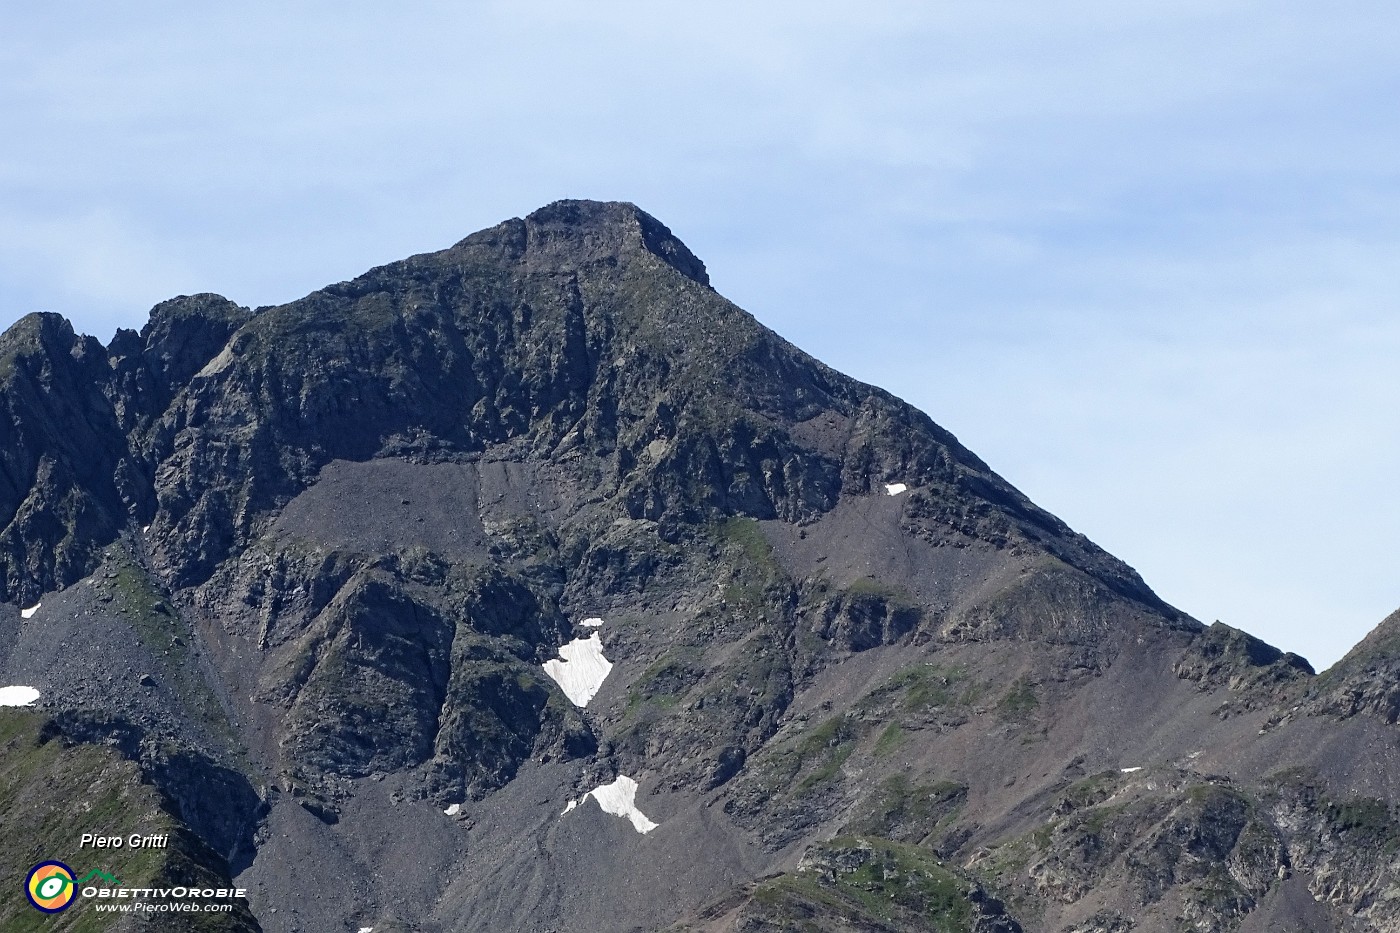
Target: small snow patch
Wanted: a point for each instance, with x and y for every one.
(18, 696)
(1130, 770)
(145, 529)
(453, 810)
(366, 929)
(580, 669)
(592, 623)
(620, 799)
(894, 489)
(29, 613)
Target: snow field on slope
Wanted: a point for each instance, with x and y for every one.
(620, 799)
(18, 696)
(580, 668)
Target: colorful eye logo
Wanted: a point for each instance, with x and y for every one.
(50, 886)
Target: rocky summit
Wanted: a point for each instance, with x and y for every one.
(531, 585)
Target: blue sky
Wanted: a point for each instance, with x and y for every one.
(1140, 257)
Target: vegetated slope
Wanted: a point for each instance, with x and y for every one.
(860, 681)
(54, 786)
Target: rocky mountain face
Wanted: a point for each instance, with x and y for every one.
(532, 585)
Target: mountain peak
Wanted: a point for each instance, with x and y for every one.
(612, 226)
(342, 555)
(38, 331)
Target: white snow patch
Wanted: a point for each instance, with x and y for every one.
(29, 613)
(620, 799)
(592, 623)
(1130, 770)
(366, 929)
(894, 489)
(453, 810)
(18, 696)
(582, 670)
(145, 529)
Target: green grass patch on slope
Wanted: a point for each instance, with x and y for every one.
(814, 759)
(51, 793)
(1018, 703)
(907, 812)
(855, 883)
(922, 688)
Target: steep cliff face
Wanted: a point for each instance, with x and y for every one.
(438, 571)
(61, 452)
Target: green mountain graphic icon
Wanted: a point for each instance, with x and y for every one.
(98, 874)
